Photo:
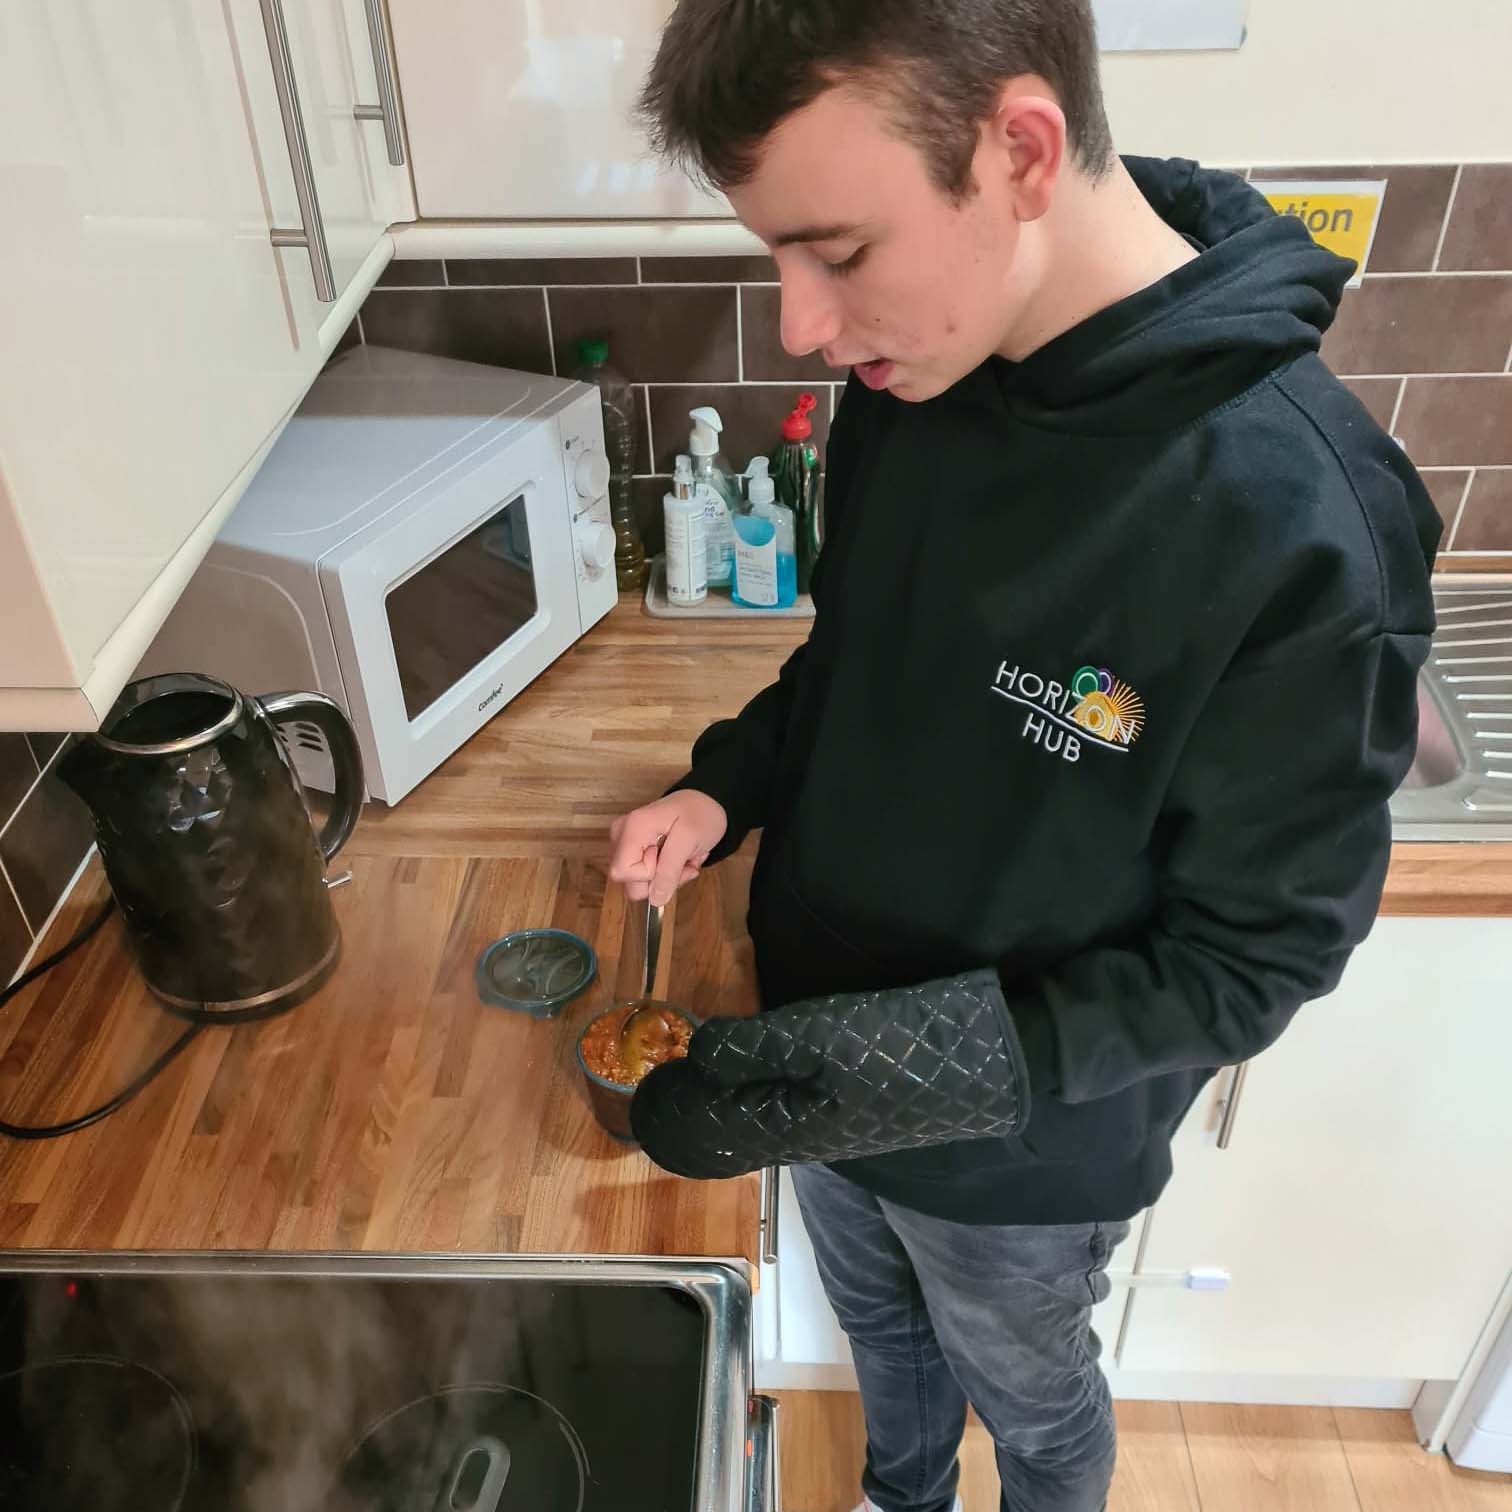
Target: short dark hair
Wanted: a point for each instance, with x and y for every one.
(729, 71)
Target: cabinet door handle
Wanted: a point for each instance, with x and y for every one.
(1231, 1107)
(387, 108)
(771, 1193)
(311, 234)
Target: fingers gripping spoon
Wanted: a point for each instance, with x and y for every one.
(649, 1028)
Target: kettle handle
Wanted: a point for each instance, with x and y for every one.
(346, 757)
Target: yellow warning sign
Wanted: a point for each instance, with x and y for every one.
(1341, 216)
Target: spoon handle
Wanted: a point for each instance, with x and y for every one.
(653, 945)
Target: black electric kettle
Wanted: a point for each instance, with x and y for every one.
(208, 843)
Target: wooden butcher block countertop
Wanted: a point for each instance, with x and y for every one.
(395, 1112)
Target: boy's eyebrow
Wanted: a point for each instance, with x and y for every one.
(837, 232)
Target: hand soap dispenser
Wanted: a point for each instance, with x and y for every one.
(766, 561)
(715, 485)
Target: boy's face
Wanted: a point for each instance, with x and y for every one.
(880, 270)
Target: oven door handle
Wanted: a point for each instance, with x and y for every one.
(763, 1459)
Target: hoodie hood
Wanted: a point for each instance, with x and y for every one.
(1261, 293)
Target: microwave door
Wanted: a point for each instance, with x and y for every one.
(464, 599)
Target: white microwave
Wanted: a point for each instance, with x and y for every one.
(424, 539)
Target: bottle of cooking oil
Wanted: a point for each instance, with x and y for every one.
(618, 402)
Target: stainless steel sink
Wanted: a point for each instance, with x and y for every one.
(1460, 785)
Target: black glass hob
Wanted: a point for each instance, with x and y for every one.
(240, 1387)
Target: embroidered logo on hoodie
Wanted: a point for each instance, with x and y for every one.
(1094, 708)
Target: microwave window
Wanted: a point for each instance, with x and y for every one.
(458, 610)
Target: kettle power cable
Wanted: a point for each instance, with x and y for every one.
(130, 1090)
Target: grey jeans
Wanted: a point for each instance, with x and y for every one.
(940, 1314)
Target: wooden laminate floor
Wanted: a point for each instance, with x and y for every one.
(1178, 1458)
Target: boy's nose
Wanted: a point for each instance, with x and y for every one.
(809, 317)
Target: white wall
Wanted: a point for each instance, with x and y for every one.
(1329, 81)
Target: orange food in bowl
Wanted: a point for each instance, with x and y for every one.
(663, 1039)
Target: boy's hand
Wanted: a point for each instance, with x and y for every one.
(659, 847)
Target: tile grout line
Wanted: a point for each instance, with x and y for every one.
(1508, 368)
(550, 336)
(361, 333)
(650, 436)
(1438, 250)
(740, 333)
(1396, 409)
(445, 275)
(708, 284)
(21, 914)
(59, 904)
(1459, 514)
(730, 383)
(640, 273)
(26, 797)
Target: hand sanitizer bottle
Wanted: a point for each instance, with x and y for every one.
(687, 566)
(766, 559)
(714, 484)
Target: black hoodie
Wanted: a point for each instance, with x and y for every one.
(1113, 672)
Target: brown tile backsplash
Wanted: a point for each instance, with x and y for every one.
(1412, 215)
(1457, 422)
(1378, 395)
(42, 846)
(761, 335)
(44, 833)
(411, 273)
(18, 771)
(504, 326)
(1446, 489)
(643, 463)
(1422, 325)
(1486, 524)
(15, 934)
(752, 415)
(43, 746)
(708, 270)
(646, 495)
(655, 335)
(1480, 224)
(687, 330)
(462, 271)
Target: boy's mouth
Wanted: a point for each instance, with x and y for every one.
(875, 374)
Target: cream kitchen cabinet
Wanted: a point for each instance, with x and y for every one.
(525, 110)
(798, 1343)
(1361, 1207)
(1351, 1240)
(152, 337)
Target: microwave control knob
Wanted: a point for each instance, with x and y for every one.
(596, 543)
(591, 475)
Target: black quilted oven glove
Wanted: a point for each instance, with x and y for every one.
(836, 1078)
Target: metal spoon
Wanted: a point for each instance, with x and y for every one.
(649, 1026)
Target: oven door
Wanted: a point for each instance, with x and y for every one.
(452, 602)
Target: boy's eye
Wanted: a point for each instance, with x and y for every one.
(850, 264)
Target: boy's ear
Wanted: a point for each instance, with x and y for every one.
(1025, 142)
